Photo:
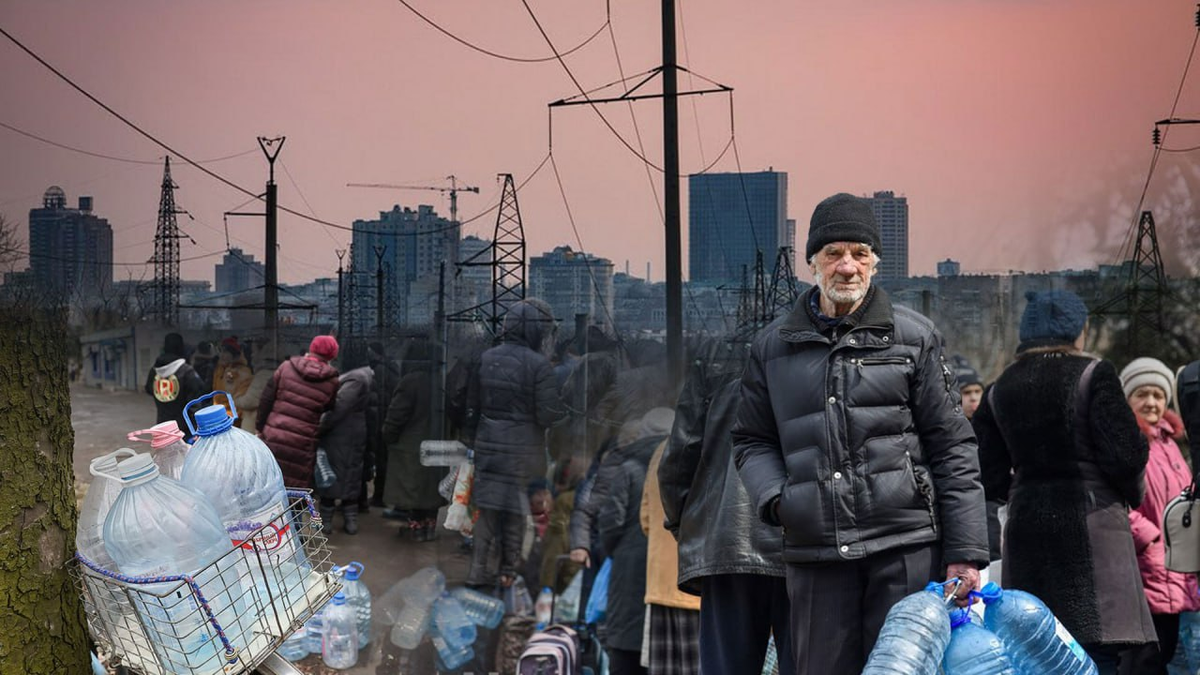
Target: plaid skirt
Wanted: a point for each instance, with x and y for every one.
(674, 641)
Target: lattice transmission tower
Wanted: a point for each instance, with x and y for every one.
(166, 252)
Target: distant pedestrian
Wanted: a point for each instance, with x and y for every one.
(387, 378)
(232, 375)
(247, 405)
(290, 410)
(970, 388)
(517, 400)
(1058, 440)
(850, 436)
(343, 434)
(173, 383)
(204, 360)
(411, 487)
(1149, 386)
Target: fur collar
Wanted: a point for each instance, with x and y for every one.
(1170, 426)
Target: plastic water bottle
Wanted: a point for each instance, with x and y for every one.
(452, 623)
(443, 453)
(359, 598)
(238, 473)
(973, 649)
(295, 647)
(314, 629)
(423, 587)
(1035, 640)
(516, 599)
(160, 527)
(452, 657)
(914, 636)
(411, 626)
(544, 607)
(482, 609)
(339, 637)
(167, 445)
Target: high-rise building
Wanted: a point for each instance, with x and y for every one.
(732, 216)
(239, 271)
(891, 212)
(70, 250)
(413, 244)
(573, 282)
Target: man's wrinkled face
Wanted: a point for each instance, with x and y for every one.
(843, 271)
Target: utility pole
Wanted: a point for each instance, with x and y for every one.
(438, 400)
(341, 319)
(271, 148)
(671, 196)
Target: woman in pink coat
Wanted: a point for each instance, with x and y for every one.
(1148, 385)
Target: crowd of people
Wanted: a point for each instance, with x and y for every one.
(795, 486)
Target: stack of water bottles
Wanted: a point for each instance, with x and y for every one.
(187, 576)
(420, 606)
(1018, 635)
(325, 633)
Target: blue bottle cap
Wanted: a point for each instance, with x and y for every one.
(990, 592)
(339, 599)
(353, 571)
(212, 420)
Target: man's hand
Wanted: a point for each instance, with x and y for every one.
(970, 581)
(581, 556)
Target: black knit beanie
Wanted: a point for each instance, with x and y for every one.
(843, 217)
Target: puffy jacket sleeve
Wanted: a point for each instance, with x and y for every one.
(613, 514)
(677, 468)
(756, 447)
(550, 409)
(267, 401)
(350, 392)
(1119, 446)
(1145, 531)
(948, 443)
(579, 528)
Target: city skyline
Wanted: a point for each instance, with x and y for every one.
(1005, 122)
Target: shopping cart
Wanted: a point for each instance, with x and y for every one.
(227, 618)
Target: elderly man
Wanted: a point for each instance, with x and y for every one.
(850, 435)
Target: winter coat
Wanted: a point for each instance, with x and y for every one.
(1167, 474)
(1069, 460)
(343, 433)
(289, 413)
(705, 504)
(233, 376)
(556, 543)
(622, 536)
(247, 403)
(860, 437)
(589, 494)
(662, 554)
(518, 401)
(173, 384)
(410, 486)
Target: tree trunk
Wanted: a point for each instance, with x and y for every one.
(42, 629)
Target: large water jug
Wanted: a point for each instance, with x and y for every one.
(359, 598)
(295, 646)
(482, 609)
(452, 657)
(443, 453)
(159, 527)
(973, 649)
(423, 587)
(167, 447)
(1035, 640)
(339, 644)
(240, 476)
(914, 636)
(411, 626)
(451, 622)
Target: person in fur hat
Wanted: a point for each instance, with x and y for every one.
(1148, 386)
(1059, 441)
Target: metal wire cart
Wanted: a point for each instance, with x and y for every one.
(227, 618)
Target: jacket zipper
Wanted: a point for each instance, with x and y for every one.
(881, 361)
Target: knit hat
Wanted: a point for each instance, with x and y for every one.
(1051, 318)
(1144, 371)
(173, 344)
(968, 376)
(324, 346)
(843, 217)
(231, 344)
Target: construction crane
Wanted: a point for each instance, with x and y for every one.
(454, 189)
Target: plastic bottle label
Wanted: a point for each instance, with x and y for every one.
(1065, 635)
(275, 538)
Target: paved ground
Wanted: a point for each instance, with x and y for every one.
(102, 419)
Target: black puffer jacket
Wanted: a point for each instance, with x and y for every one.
(518, 400)
(343, 432)
(706, 505)
(861, 438)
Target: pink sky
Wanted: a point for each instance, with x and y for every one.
(998, 119)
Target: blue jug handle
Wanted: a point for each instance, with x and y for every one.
(187, 418)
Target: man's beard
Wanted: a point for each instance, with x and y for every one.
(842, 296)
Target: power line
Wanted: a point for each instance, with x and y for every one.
(155, 162)
(1191, 149)
(77, 261)
(304, 199)
(506, 57)
(582, 248)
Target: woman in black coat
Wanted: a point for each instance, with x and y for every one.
(343, 434)
(1059, 442)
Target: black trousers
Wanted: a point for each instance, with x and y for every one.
(625, 662)
(497, 550)
(838, 608)
(1152, 659)
(737, 614)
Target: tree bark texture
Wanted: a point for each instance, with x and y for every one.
(42, 628)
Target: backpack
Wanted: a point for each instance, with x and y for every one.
(554, 651)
